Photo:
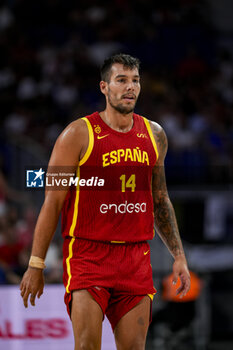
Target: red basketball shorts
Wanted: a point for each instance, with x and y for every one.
(117, 275)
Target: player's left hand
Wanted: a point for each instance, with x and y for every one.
(32, 284)
(180, 270)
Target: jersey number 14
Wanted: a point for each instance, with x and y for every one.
(130, 183)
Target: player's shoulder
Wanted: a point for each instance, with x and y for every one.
(77, 126)
(157, 130)
(74, 132)
(159, 136)
(155, 127)
(80, 125)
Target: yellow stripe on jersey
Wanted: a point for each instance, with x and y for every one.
(75, 213)
(90, 144)
(147, 123)
(68, 264)
(71, 232)
(151, 296)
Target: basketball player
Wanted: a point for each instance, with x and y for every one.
(106, 255)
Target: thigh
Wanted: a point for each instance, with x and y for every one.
(86, 317)
(131, 330)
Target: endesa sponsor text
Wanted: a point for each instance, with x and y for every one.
(123, 208)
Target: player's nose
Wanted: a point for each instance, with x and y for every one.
(130, 86)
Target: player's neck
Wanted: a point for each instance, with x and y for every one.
(117, 121)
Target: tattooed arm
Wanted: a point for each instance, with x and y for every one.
(165, 219)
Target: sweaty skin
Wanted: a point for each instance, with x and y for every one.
(165, 219)
(121, 93)
(70, 147)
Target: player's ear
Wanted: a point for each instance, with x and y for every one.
(103, 87)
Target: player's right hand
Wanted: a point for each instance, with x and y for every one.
(32, 284)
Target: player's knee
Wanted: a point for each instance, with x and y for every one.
(87, 344)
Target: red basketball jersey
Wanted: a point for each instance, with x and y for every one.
(113, 199)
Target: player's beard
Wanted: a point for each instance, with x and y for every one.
(119, 107)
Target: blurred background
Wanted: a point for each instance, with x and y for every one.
(50, 53)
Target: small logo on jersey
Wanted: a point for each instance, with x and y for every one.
(101, 137)
(97, 129)
(35, 178)
(145, 253)
(98, 288)
(144, 136)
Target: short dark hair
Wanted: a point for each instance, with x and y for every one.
(127, 61)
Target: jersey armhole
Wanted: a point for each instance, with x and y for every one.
(90, 142)
(147, 123)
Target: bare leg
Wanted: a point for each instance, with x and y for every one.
(86, 316)
(130, 332)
